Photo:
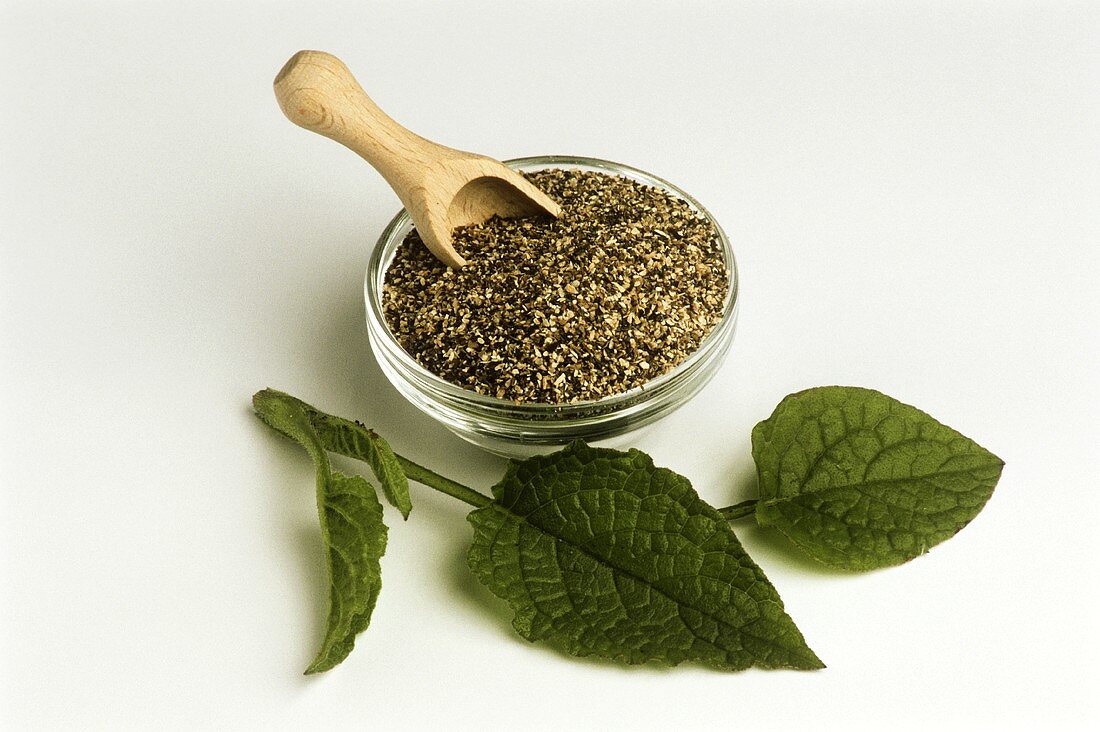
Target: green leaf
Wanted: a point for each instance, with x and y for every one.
(859, 480)
(356, 441)
(602, 553)
(355, 539)
(352, 532)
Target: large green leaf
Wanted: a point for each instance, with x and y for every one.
(859, 480)
(352, 532)
(602, 553)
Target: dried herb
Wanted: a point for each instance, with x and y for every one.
(620, 289)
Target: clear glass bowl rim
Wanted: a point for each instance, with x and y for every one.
(378, 262)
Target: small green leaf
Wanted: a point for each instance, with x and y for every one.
(602, 553)
(356, 441)
(859, 480)
(352, 531)
(355, 539)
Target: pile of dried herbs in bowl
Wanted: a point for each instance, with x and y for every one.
(619, 290)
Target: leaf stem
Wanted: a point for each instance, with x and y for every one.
(434, 480)
(739, 510)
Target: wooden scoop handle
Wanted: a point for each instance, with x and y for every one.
(316, 91)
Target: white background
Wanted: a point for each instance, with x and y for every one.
(913, 195)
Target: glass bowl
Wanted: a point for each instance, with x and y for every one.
(522, 429)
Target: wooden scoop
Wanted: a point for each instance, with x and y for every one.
(441, 188)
